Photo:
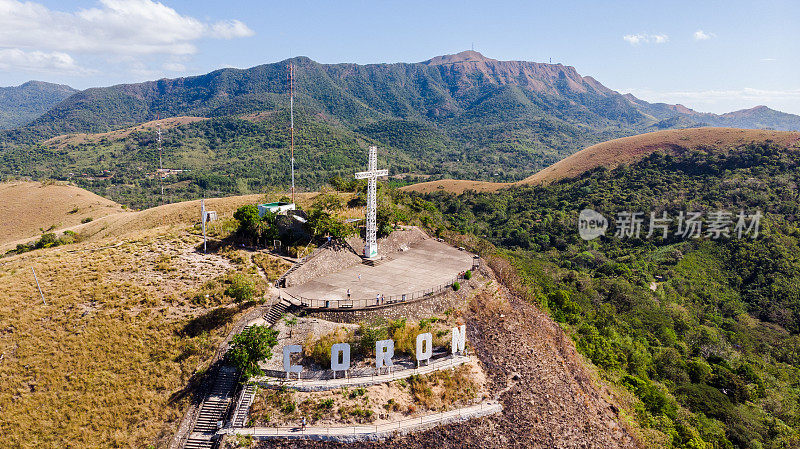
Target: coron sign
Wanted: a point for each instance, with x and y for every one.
(384, 352)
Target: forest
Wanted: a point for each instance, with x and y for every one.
(703, 332)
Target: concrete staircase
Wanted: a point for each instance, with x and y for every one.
(248, 392)
(276, 312)
(376, 262)
(213, 409)
(243, 408)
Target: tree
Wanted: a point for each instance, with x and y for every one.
(291, 323)
(329, 202)
(251, 346)
(322, 223)
(249, 220)
(252, 225)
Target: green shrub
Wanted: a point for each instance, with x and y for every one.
(468, 275)
(250, 347)
(241, 288)
(319, 350)
(654, 399)
(86, 220)
(456, 286)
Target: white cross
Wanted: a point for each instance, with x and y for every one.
(371, 175)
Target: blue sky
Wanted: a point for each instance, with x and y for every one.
(710, 56)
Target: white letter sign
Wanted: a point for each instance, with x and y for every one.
(288, 350)
(459, 340)
(424, 346)
(344, 350)
(384, 351)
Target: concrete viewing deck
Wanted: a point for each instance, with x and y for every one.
(427, 267)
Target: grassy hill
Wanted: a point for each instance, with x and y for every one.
(626, 150)
(127, 331)
(27, 209)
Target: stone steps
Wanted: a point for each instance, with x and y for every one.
(199, 443)
(243, 409)
(376, 262)
(213, 409)
(276, 312)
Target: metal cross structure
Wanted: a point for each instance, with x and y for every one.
(371, 175)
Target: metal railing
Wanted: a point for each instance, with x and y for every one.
(401, 368)
(378, 301)
(480, 409)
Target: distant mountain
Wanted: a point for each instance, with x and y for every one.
(462, 116)
(679, 116)
(21, 104)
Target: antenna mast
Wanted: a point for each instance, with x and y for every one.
(291, 115)
(160, 159)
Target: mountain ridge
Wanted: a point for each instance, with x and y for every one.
(23, 103)
(443, 86)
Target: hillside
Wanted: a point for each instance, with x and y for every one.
(21, 104)
(119, 134)
(112, 355)
(27, 209)
(138, 313)
(702, 331)
(626, 150)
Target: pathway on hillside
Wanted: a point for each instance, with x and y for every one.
(351, 433)
(201, 421)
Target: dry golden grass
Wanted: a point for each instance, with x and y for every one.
(272, 267)
(81, 138)
(626, 150)
(98, 364)
(456, 186)
(104, 362)
(29, 208)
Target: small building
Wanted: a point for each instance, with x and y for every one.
(211, 215)
(276, 208)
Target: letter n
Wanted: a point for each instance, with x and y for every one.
(458, 343)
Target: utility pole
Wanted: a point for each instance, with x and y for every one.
(203, 218)
(38, 286)
(160, 160)
(291, 116)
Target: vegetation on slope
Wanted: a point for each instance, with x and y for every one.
(111, 356)
(21, 104)
(710, 353)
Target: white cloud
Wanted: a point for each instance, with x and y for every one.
(117, 26)
(230, 29)
(701, 35)
(768, 60)
(39, 61)
(642, 38)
